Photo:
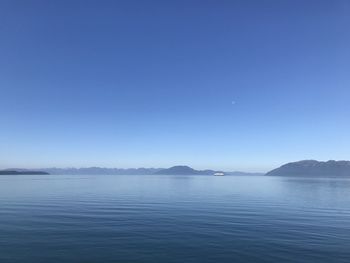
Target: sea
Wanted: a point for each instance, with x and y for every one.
(164, 218)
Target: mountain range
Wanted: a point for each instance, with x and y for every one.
(301, 168)
(175, 170)
(20, 172)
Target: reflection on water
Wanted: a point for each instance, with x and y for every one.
(174, 219)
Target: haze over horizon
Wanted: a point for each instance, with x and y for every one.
(228, 85)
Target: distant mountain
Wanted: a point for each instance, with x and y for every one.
(184, 170)
(313, 168)
(26, 172)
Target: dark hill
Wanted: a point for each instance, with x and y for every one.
(313, 168)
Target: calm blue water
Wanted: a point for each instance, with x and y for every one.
(173, 219)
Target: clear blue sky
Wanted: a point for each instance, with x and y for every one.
(233, 85)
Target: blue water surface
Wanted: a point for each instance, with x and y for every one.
(111, 218)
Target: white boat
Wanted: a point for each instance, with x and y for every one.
(219, 174)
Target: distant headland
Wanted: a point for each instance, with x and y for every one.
(313, 168)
